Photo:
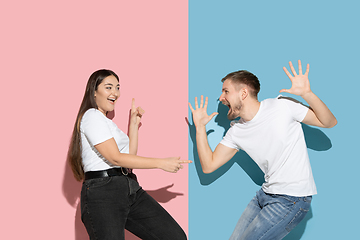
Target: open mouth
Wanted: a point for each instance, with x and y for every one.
(112, 100)
(226, 104)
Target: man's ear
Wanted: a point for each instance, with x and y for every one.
(244, 93)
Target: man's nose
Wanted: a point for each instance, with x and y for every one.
(221, 98)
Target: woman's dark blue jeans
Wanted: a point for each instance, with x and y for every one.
(111, 204)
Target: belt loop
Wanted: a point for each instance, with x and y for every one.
(123, 171)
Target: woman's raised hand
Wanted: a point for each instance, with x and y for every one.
(136, 113)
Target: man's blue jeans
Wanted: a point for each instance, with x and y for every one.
(111, 204)
(270, 216)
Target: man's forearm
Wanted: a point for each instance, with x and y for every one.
(321, 111)
(204, 150)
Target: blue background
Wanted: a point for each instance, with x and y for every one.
(262, 37)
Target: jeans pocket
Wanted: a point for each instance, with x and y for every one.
(299, 216)
(308, 199)
(97, 182)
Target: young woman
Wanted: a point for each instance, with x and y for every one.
(102, 155)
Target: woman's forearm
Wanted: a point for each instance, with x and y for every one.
(110, 152)
(133, 138)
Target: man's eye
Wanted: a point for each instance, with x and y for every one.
(108, 87)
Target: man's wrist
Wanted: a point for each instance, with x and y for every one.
(201, 128)
(308, 95)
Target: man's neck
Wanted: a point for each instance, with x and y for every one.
(250, 109)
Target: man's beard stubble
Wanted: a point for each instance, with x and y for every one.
(232, 114)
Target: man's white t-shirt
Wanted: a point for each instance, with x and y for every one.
(96, 128)
(274, 139)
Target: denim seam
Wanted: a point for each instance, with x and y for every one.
(297, 199)
(90, 218)
(144, 229)
(129, 190)
(293, 219)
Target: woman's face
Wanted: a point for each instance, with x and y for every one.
(107, 93)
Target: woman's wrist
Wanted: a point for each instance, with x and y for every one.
(158, 163)
(133, 126)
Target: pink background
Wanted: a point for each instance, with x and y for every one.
(48, 51)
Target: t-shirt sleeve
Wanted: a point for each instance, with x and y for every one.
(228, 140)
(95, 127)
(297, 109)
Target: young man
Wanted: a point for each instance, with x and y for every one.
(270, 133)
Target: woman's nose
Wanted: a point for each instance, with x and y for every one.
(116, 92)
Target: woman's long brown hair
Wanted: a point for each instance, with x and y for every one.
(74, 153)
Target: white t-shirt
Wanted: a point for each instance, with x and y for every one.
(274, 139)
(96, 128)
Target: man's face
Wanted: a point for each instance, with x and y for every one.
(231, 97)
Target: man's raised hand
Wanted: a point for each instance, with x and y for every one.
(300, 82)
(200, 116)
